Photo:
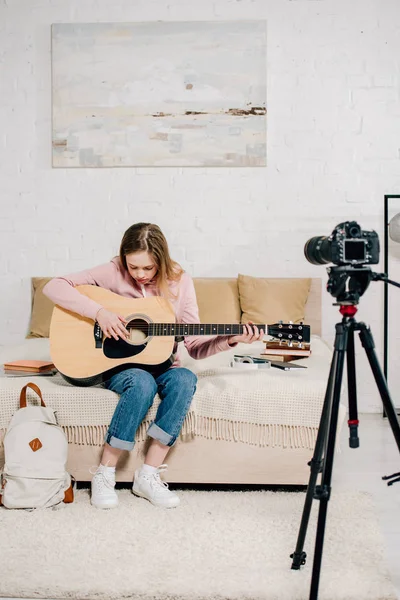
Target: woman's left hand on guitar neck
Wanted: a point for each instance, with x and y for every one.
(250, 334)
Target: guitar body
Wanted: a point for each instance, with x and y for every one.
(73, 344)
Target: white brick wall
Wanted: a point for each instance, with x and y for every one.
(333, 152)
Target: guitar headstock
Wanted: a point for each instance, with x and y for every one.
(290, 332)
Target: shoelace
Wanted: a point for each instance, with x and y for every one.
(154, 478)
(106, 479)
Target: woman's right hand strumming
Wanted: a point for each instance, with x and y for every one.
(112, 325)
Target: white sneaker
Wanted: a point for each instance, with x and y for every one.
(151, 487)
(103, 484)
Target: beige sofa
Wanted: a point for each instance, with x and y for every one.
(232, 449)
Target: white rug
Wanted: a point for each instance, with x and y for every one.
(216, 545)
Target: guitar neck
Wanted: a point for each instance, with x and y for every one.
(182, 329)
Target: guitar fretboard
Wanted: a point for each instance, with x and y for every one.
(181, 329)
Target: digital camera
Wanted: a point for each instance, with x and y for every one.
(348, 244)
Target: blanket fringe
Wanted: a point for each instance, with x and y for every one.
(284, 436)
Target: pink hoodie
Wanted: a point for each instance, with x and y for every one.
(112, 276)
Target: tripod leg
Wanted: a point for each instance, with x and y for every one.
(323, 491)
(299, 556)
(369, 347)
(354, 442)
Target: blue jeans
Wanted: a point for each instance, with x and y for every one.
(137, 389)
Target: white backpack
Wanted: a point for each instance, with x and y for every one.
(36, 451)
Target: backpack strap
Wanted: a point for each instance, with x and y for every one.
(22, 398)
(2, 485)
(69, 493)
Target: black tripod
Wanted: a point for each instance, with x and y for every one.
(325, 443)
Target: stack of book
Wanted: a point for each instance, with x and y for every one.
(279, 351)
(23, 368)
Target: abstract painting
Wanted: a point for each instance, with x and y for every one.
(159, 94)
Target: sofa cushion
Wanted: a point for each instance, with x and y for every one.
(218, 299)
(42, 309)
(269, 300)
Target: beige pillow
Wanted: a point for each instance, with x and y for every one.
(267, 301)
(42, 309)
(218, 299)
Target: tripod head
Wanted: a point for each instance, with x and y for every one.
(347, 283)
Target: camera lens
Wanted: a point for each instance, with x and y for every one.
(317, 250)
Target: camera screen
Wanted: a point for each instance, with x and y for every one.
(354, 250)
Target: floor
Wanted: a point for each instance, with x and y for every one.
(363, 468)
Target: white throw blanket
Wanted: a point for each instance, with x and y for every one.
(268, 407)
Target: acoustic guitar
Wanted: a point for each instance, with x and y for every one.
(85, 357)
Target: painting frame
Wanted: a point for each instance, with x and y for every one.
(148, 94)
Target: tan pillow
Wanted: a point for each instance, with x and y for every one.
(42, 309)
(267, 301)
(218, 299)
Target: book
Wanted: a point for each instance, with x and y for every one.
(276, 349)
(287, 366)
(19, 373)
(29, 366)
(280, 357)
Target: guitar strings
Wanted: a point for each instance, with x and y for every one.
(191, 325)
(234, 328)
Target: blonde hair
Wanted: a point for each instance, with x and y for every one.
(149, 238)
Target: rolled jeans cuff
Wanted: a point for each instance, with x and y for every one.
(155, 432)
(117, 443)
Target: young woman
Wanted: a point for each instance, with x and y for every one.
(143, 268)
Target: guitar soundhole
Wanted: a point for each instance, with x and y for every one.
(138, 331)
